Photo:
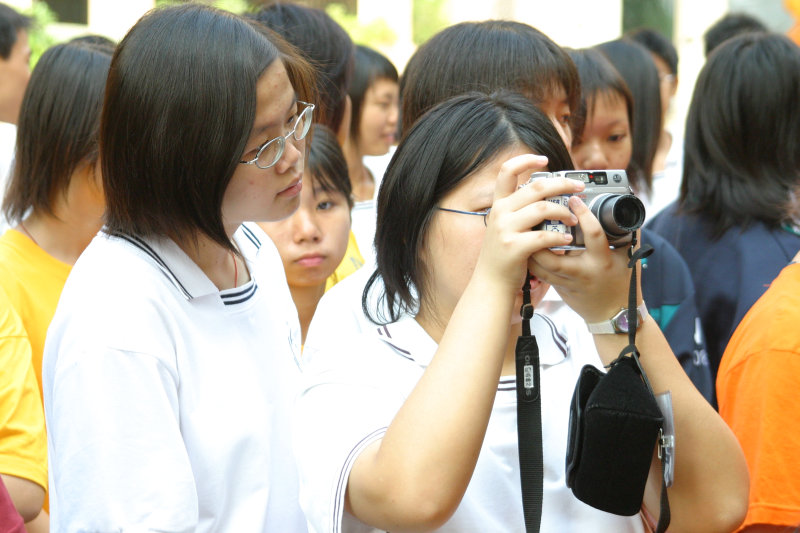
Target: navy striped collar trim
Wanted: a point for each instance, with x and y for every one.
(240, 294)
(147, 249)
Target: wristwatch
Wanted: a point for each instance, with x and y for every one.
(619, 322)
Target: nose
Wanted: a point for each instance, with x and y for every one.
(591, 155)
(305, 226)
(394, 114)
(292, 157)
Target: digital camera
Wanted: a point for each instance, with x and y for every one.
(608, 196)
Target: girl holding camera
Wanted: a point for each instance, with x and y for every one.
(412, 425)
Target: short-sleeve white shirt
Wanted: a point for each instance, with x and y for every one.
(168, 402)
(353, 389)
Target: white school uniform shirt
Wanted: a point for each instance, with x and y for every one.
(167, 401)
(357, 376)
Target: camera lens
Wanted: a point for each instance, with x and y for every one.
(618, 214)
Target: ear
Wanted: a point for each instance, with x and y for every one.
(343, 134)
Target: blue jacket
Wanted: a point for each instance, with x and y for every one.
(729, 274)
(669, 292)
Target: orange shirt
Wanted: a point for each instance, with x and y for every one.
(758, 390)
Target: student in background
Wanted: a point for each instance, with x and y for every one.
(668, 160)
(15, 57)
(55, 196)
(634, 64)
(374, 92)
(736, 220)
(313, 240)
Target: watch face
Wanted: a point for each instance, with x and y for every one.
(622, 321)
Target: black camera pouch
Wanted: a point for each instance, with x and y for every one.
(614, 428)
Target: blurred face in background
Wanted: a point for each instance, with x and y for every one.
(14, 75)
(380, 110)
(556, 107)
(606, 140)
(313, 240)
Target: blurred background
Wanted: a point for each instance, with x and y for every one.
(397, 27)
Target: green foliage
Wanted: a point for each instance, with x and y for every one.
(375, 34)
(429, 19)
(38, 37)
(655, 14)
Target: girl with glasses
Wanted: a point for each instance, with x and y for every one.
(412, 424)
(171, 363)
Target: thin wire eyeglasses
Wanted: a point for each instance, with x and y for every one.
(484, 213)
(271, 151)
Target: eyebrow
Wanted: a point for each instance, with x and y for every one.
(261, 129)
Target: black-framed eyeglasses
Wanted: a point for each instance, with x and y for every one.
(484, 213)
(271, 151)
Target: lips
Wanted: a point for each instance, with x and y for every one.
(310, 260)
(293, 189)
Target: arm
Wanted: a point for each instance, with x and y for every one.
(23, 443)
(117, 454)
(711, 480)
(28, 497)
(416, 476)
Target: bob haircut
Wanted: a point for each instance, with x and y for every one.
(327, 165)
(469, 131)
(369, 66)
(599, 79)
(58, 124)
(325, 45)
(741, 160)
(636, 66)
(179, 108)
(486, 56)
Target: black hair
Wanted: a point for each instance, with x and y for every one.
(730, 25)
(325, 45)
(599, 79)
(741, 161)
(369, 66)
(95, 39)
(637, 68)
(327, 164)
(445, 146)
(11, 22)
(57, 131)
(657, 44)
(177, 116)
(486, 56)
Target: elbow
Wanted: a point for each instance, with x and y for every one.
(730, 514)
(723, 513)
(29, 508)
(27, 496)
(405, 511)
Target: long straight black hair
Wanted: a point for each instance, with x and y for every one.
(444, 147)
(741, 154)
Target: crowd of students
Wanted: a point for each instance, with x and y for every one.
(220, 312)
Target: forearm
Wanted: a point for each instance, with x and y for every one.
(711, 480)
(418, 473)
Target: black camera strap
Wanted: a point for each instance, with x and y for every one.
(529, 417)
(634, 257)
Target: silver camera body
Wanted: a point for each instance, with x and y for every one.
(608, 196)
